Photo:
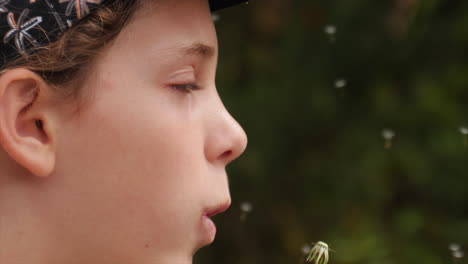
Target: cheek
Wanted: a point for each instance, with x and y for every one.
(139, 164)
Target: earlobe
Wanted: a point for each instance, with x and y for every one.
(26, 121)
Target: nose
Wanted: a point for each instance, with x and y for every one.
(226, 140)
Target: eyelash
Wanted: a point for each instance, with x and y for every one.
(186, 88)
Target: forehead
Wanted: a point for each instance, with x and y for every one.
(167, 26)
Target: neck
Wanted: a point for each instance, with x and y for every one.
(23, 235)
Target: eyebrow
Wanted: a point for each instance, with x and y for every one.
(199, 49)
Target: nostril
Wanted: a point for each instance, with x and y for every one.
(226, 154)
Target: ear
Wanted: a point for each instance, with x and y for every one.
(26, 121)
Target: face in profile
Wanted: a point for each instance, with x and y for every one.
(140, 171)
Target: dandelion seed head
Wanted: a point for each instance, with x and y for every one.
(321, 244)
(319, 253)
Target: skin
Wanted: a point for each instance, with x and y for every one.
(131, 178)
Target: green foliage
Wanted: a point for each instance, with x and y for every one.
(316, 167)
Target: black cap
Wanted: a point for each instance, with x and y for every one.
(220, 4)
(28, 24)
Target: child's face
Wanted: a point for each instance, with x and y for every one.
(144, 163)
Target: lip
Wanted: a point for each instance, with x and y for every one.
(209, 230)
(210, 212)
(208, 224)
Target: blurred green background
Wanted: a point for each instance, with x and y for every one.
(317, 85)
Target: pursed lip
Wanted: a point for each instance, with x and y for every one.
(208, 225)
(220, 208)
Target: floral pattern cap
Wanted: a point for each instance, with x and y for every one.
(28, 24)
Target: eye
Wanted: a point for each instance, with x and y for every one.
(186, 88)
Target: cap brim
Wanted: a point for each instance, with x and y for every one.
(220, 4)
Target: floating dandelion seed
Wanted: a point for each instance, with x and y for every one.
(215, 17)
(388, 135)
(306, 249)
(319, 253)
(340, 83)
(246, 208)
(330, 30)
(458, 254)
(454, 247)
(464, 131)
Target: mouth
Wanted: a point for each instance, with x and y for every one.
(210, 212)
(208, 224)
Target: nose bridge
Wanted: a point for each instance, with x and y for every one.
(226, 138)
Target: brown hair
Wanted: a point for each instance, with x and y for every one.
(65, 62)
